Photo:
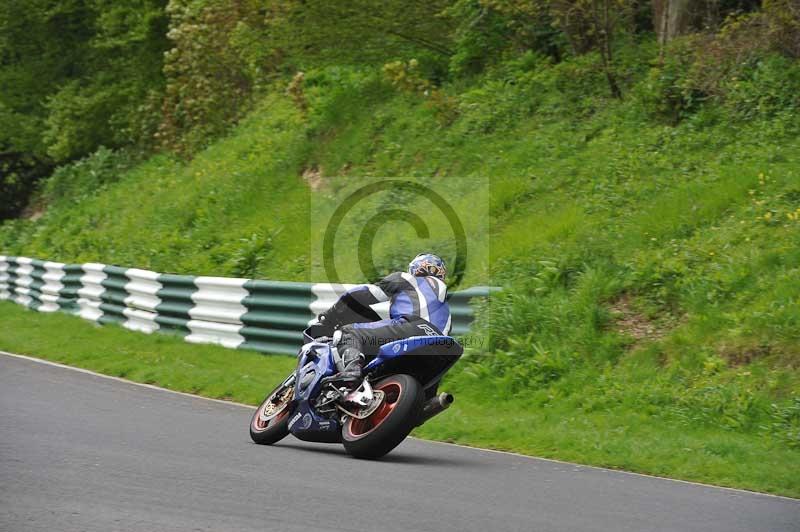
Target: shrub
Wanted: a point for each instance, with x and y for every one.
(79, 119)
(770, 87)
(785, 425)
(783, 26)
(86, 176)
(664, 93)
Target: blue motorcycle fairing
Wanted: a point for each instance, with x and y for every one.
(426, 358)
(407, 346)
(315, 362)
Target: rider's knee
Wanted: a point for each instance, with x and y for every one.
(349, 339)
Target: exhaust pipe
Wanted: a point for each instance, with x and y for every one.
(435, 405)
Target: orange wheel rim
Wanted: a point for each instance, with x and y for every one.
(361, 427)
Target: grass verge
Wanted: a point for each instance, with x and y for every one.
(160, 359)
(619, 437)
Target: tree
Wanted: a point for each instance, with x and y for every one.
(487, 30)
(592, 25)
(208, 80)
(672, 18)
(72, 76)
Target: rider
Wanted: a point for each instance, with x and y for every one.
(417, 308)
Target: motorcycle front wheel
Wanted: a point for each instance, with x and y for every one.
(270, 422)
(390, 423)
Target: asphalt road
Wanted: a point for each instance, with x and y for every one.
(79, 452)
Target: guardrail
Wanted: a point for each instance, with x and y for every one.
(266, 316)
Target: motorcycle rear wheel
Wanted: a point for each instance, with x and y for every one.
(270, 422)
(390, 423)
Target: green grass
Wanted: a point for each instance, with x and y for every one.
(620, 436)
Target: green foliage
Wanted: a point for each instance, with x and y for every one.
(19, 174)
(77, 73)
(184, 217)
(154, 75)
(665, 93)
(40, 45)
(253, 251)
(481, 38)
(737, 66)
(406, 77)
(77, 120)
(781, 19)
(86, 177)
(770, 87)
(319, 33)
(73, 76)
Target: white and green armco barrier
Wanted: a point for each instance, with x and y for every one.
(265, 316)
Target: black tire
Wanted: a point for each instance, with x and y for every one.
(389, 425)
(273, 426)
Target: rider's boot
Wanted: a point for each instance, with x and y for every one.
(353, 360)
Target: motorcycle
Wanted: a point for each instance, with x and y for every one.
(369, 418)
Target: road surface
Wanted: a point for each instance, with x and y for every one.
(80, 452)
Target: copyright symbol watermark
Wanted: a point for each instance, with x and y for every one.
(374, 227)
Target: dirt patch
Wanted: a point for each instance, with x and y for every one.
(630, 322)
(33, 212)
(313, 177)
(739, 355)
